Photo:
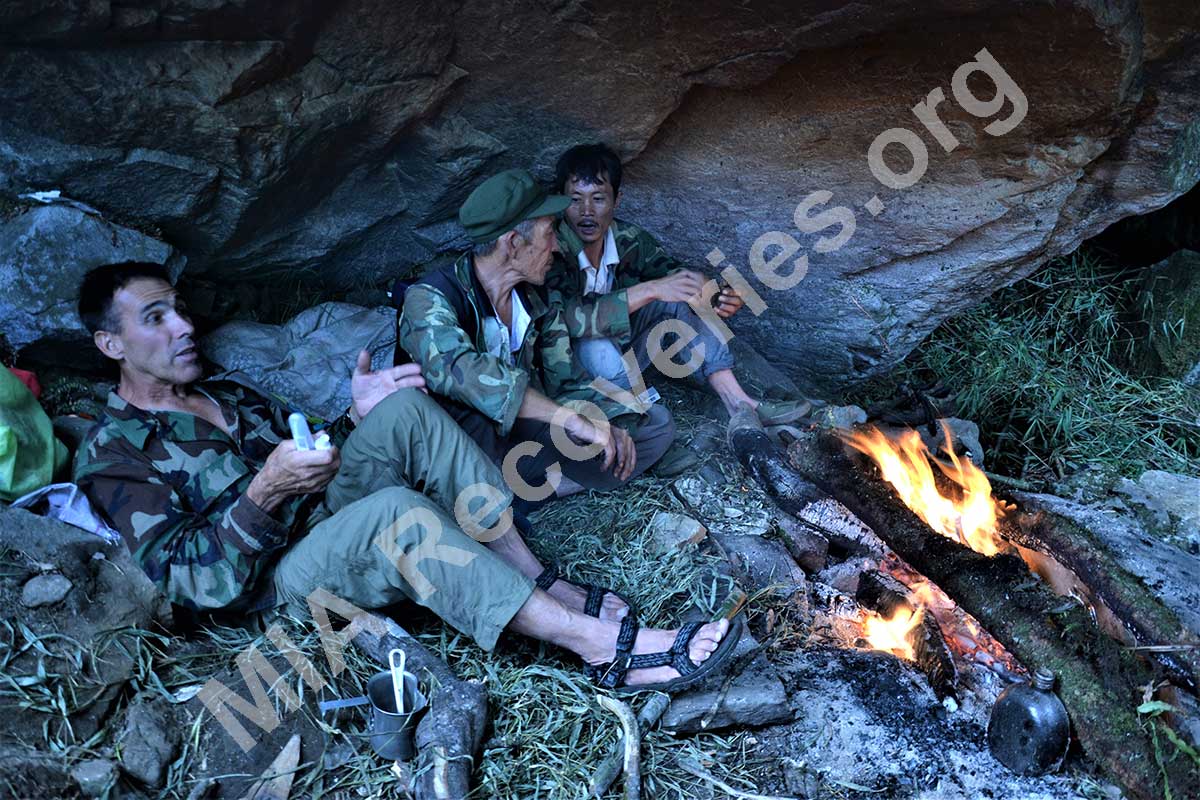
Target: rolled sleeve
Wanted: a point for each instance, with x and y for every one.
(252, 530)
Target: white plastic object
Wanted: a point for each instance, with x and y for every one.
(301, 432)
(397, 676)
(322, 441)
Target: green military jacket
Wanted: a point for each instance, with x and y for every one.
(441, 328)
(174, 486)
(642, 259)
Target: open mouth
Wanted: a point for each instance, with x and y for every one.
(187, 354)
(588, 227)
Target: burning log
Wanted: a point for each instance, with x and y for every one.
(1100, 679)
(888, 596)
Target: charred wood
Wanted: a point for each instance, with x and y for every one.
(1100, 679)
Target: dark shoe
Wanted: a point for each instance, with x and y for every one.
(676, 461)
(781, 412)
(612, 675)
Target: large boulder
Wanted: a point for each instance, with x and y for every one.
(339, 138)
(44, 252)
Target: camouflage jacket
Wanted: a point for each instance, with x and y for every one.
(174, 486)
(441, 328)
(642, 259)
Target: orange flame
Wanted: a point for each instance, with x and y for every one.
(904, 462)
(891, 634)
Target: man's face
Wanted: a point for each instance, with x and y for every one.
(591, 209)
(155, 339)
(533, 258)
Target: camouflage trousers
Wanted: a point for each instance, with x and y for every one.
(387, 532)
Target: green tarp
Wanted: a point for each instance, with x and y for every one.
(30, 456)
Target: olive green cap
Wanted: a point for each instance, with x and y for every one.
(504, 201)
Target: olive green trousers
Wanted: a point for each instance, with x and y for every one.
(391, 525)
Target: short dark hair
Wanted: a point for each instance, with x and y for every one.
(591, 163)
(100, 285)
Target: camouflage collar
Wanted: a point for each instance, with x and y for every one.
(464, 271)
(134, 424)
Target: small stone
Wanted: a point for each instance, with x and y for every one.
(841, 417)
(44, 590)
(673, 531)
(95, 776)
(149, 743)
(756, 697)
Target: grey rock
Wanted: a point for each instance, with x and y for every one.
(760, 562)
(44, 590)
(44, 253)
(840, 417)
(98, 620)
(26, 772)
(263, 138)
(149, 742)
(756, 697)
(1168, 504)
(963, 432)
(95, 776)
(670, 532)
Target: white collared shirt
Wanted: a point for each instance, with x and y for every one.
(600, 279)
(503, 341)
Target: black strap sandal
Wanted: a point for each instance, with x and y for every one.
(595, 594)
(612, 675)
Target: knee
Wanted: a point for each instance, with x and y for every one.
(660, 424)
(406, 408)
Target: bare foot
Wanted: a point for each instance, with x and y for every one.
(612, 608)
(652, 640)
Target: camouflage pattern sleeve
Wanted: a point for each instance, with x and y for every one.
(452, 365)
(564, 380)
(194, 533)
(587, 317)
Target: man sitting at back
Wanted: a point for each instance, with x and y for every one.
(616, 284)
(499, 358)
(224, 513)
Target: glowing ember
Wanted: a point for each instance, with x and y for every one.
(891, 634)
(904, 462)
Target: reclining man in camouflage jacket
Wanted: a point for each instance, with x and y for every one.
(616, 284)
(500, 359)
(224, 513)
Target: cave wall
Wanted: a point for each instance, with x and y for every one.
(337, 138)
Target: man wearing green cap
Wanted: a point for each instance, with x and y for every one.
(499, 357)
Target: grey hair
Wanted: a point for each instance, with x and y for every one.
(524, 229)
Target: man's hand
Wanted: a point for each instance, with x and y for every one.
(619, 452)
(679, 287)
(728, 302)
(288, 471)
(368, 388)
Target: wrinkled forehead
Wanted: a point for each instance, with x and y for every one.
(141, 293)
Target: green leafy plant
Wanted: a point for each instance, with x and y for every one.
(1046, 368)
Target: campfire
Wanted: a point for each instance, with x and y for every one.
(927, 564)
(971, 518)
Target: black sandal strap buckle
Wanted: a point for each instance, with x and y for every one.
(547, 578)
